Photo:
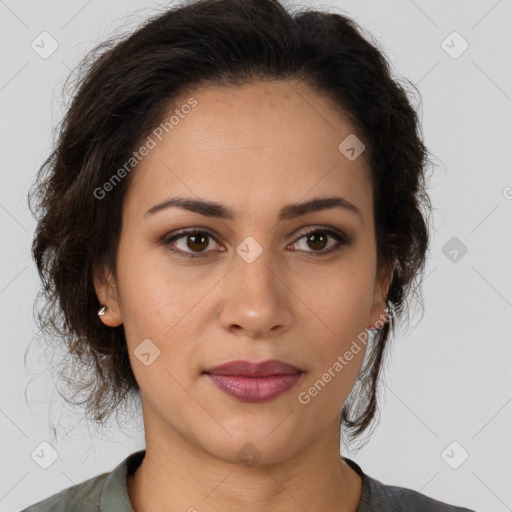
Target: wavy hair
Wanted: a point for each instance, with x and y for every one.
(122, 90)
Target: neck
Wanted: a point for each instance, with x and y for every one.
(179, 475)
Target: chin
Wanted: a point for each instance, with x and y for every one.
(252, 448)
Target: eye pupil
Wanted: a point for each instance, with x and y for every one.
(198, 238)
(318, 234)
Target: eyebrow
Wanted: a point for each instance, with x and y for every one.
(288, 212)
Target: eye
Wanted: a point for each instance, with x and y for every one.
(194, 242)
(317, 238)
(194, 239)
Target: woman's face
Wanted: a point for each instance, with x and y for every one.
(252, 285)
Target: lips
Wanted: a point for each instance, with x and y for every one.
(248, 369)
(255, 382)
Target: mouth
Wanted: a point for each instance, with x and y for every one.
(249, 369)
(255, 382)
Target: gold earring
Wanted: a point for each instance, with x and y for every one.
(102, 310)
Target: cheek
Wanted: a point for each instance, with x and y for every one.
(341, 303)
(348, 296)
(339, 298)
(338, 359)
(151, 294)
(159, 305)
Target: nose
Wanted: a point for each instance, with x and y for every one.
(256, 300)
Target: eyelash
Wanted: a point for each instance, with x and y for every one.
(340, 237)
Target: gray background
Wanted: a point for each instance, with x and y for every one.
(449, 375)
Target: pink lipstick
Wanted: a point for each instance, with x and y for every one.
(255, 382)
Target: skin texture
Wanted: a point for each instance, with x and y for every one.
(254, 148)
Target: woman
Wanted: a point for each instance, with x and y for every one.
(231, 225)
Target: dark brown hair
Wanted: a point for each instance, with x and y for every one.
(123, 89)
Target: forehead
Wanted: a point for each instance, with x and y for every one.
(272, 141)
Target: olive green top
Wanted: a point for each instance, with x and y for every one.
(108, 493)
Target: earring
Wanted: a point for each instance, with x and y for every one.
(102, 310)
(389, 309)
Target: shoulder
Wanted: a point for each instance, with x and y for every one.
(83, 497)
(398, 499)
(105, 492)
(379, 496)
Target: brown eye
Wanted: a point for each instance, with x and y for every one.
(197, 241)
(191, 244)
(317, 240)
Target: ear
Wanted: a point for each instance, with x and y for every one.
(107, 294)
(377, 314)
